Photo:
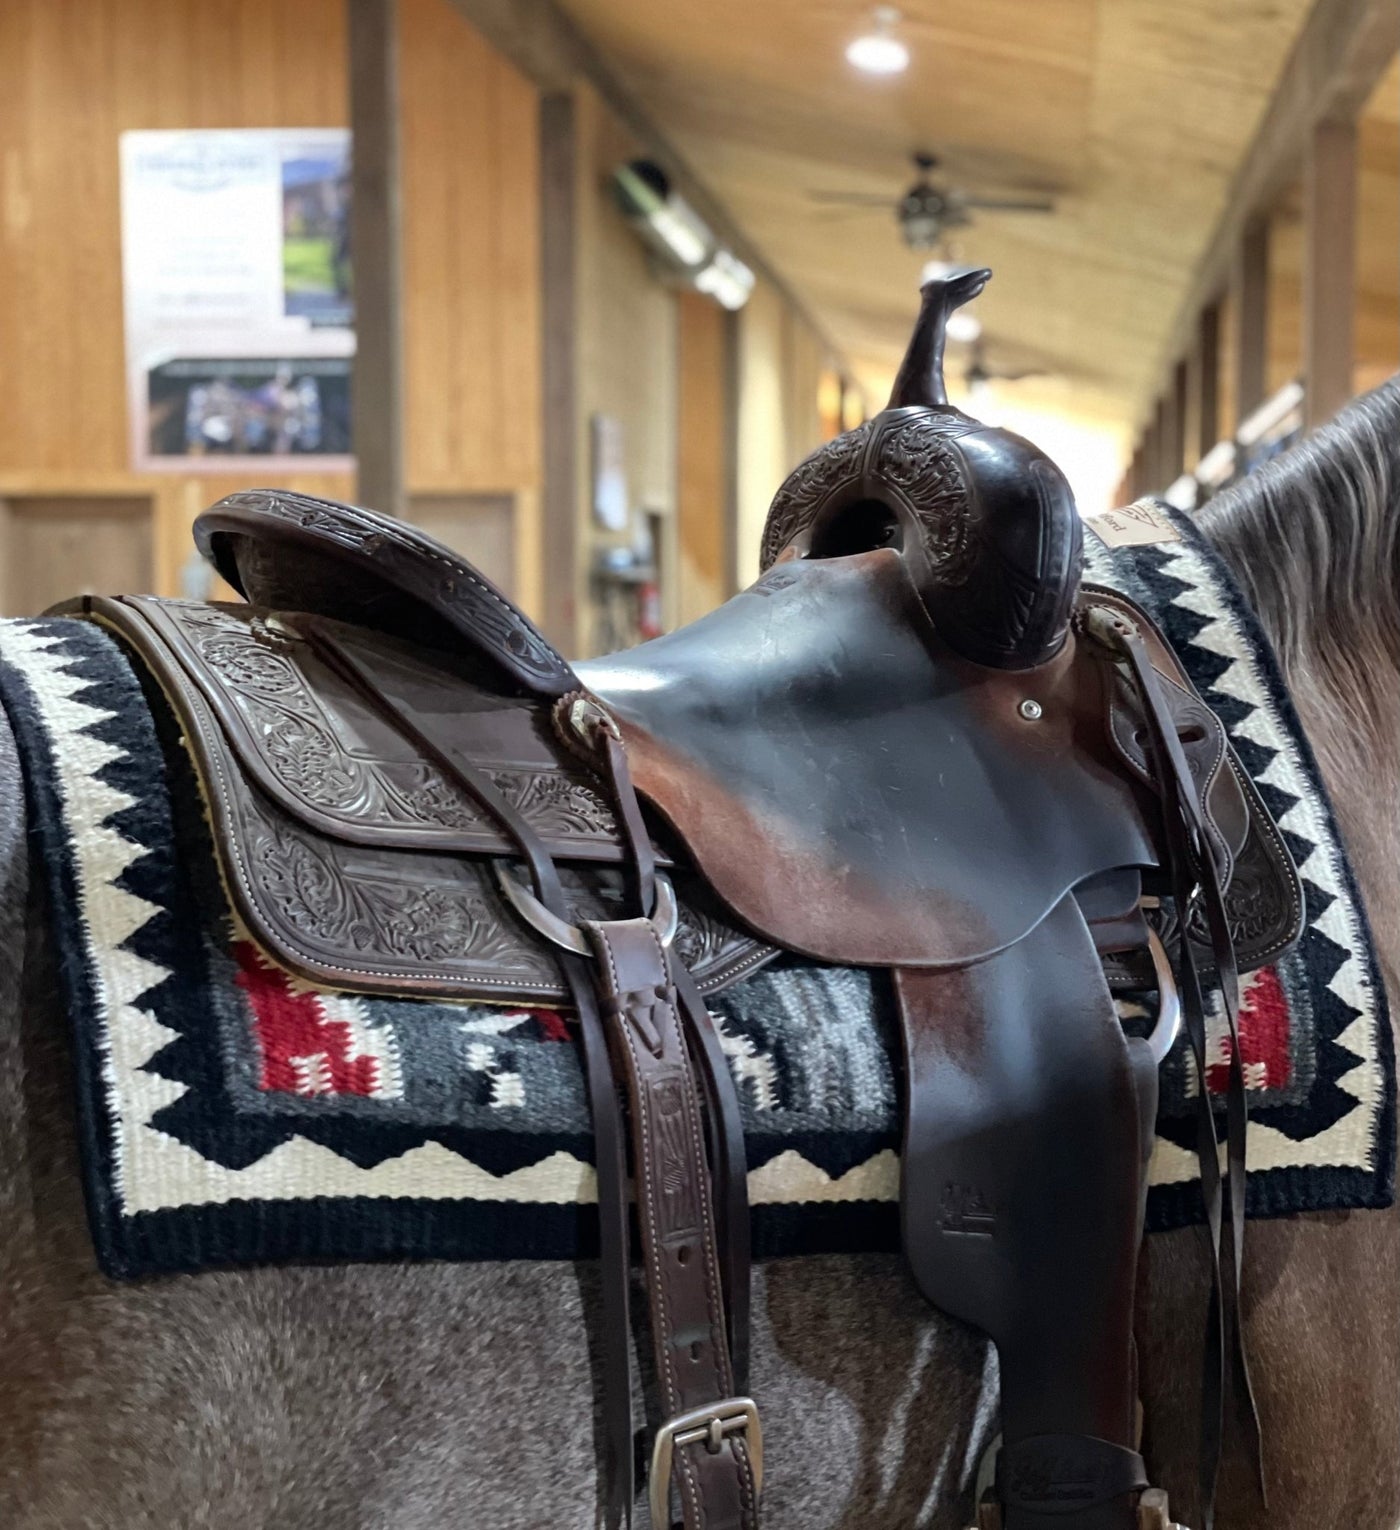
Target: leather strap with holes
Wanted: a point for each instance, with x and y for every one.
(713, 1476)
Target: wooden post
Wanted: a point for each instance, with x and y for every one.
(559, 260)
(377, 402)
(1147, 483)
(1175, 402)
(1329, 268)
(1203, 388)
(1250, 308)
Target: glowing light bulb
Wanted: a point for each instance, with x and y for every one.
(879, 51)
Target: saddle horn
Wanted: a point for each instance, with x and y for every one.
(985, 521)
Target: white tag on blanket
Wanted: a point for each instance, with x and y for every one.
(1133, 525)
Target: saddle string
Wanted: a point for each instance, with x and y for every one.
(1189, 846)
(619, 1472)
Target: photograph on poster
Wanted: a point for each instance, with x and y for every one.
(316, 237)
(249, 406)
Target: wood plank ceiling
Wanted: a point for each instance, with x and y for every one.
(1133, 113)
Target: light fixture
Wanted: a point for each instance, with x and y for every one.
(667, 221)
(963, 328)
(673, 229)
(726, 279)
(879, 51)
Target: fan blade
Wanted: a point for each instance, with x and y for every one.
(1010, 204)
(837, 213)
(853, 198)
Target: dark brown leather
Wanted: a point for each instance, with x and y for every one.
(352, 859)
(855, 791)
(1023, 1164)
(290, 552)
(675, 1210)
(984, 521)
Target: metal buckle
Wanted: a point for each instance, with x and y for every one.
(665, 915)
(735, 1415)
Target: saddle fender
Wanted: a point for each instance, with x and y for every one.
(1028, 1124)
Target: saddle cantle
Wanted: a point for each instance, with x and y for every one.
(915, 743)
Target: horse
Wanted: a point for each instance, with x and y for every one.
(417, 1395)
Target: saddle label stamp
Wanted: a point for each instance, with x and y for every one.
(1136, 525)
(965, 1209)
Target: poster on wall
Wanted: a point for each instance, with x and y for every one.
(240, 336)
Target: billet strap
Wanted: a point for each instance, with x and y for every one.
(710, 1435)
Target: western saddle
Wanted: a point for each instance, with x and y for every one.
(916, 743)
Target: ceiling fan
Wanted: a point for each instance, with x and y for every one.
(979, 372)
(926, 212)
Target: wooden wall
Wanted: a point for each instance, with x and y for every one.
(780, 368)
(702, 455)
(471, 258)
(79, 72)
(761, 449)
(664, 362)
(626, 356)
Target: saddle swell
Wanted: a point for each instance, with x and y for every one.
(915, 743)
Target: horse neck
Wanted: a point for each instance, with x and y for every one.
(1317, 559)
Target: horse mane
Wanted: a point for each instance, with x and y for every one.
(1314, 539)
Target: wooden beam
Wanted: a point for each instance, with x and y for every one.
(731, 454)
(375, 222)
(1203, 388)
(558, 273)
(1172, 424)
(1329, 268)
(543, 42)
(1157, 453)
(1340, 55)
(1249, 308)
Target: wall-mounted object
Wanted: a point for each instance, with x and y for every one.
(678, 236)
(240, 334)
(610, 506)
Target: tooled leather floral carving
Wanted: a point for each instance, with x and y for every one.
(456, 586)
(413, 921)
(910, 457)
(914, 458)
(260, 670)
(808, 486)
(555, 804)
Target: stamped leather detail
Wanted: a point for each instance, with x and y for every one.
(346, 864)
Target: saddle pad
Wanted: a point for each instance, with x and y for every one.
(230, 1114)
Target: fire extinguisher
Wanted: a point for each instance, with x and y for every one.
(649, 609)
